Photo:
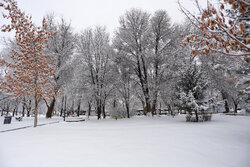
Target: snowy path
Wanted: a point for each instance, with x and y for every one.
(26, 122)
(136, 142)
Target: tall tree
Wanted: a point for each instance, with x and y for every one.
(61, 47)
(29, 70)
(94, 47)
(161, 41)
(132, 38)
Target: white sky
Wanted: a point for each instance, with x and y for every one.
(87, 13)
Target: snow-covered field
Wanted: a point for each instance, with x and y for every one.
(137, 142)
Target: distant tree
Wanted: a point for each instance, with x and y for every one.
(29, 70)
(123, 83)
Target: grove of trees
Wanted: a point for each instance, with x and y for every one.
(148, 65)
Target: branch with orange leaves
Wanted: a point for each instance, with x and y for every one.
(218, 36)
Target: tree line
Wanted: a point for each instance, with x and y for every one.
(149, 64)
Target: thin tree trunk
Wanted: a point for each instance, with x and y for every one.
(127, 108)
(7, 109)
(65, 107)
(170, 109)
(196, 115)
(73, 106)
(103, 111)
(78, 108)
(28, 108)
(98, 108)
(13, 113)
(51, 108)
(23, 111)
(89, 109)
(36, 105)
(160, 109)
(224, 97)
(61, 113)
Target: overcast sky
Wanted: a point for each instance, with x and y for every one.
(87, 13)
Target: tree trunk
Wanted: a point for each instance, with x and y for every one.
(7, 110)
(51, 108)
(196, 116)
(99, 112)
(23, 111)
(224, 97)
(148, 106)
(13, 113)
(226, 106)
(127, 108)
(160, 109)
(36, 105)
(98, 108)
(28, 109)
(103, 111)
(235, 106)
(61, 113)
(170, 110)
(78, 108)
(144, 107)
(89, 109)
(154, 106)
(73, 106)
(28, 113)
(65, 107)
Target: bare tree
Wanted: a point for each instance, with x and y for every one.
(162, 48)
(94, 47)
(61, 46)
(132, 38)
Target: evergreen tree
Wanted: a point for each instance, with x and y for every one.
(190, 90)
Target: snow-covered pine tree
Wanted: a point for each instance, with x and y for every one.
(190, 90)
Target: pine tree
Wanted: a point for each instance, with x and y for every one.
(29, 70)
(191, 90)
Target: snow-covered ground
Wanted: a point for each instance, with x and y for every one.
(26, 121)
(136, 142)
